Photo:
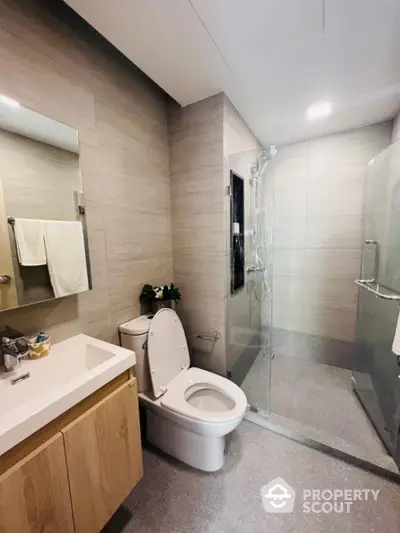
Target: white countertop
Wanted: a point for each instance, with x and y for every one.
(74, 370)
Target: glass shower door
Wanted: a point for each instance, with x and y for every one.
(376, 378)
(249, 307)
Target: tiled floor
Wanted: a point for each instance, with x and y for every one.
(173, 498)
(320, 398)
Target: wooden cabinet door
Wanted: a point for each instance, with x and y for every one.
(104, 458)
(34, 493)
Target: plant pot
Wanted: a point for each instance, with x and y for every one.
(156, 305)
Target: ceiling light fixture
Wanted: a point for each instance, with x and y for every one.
(9, 101)
(319, 110)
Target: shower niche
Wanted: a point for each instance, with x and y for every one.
(237, 232)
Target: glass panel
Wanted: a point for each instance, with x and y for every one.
(250, 308)
(376, 378)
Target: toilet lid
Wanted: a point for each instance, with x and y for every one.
(168, 351)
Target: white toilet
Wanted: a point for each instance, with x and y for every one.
(189, 411)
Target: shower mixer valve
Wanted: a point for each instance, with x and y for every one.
(255, 268)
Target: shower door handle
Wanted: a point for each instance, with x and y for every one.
(376, 260)
(364, 283)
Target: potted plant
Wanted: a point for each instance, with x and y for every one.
(158, 297)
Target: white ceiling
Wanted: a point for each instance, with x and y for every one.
(35, 126)
(272, 57)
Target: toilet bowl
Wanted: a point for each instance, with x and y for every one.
(189, 411)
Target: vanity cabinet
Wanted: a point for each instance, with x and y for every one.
(34, 493)
(104, 458)
(73, 474)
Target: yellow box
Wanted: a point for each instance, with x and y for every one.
(37, 350)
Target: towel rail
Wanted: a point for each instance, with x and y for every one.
(365, 285)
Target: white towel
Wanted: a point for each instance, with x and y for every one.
(396, 340)
(29, 240)
(66, 258)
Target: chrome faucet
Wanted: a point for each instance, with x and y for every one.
(11, 361)
(12, 351)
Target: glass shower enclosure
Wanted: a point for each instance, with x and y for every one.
(376, 379)
(375, 369)
(250, 299)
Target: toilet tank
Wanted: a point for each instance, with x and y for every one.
(133, 335)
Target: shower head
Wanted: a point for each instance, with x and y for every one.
(273, 151)
(262, 161)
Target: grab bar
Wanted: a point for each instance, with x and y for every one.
(364, 284)
(214, 337)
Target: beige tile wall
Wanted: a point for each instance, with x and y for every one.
(197, 191)
(207, 139)
(318, 221)
(58, 66)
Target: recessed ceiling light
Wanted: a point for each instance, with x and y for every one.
(319, 110)
(9, 101)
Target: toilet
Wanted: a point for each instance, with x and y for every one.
(189, 411)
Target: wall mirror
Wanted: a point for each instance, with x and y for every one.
(43, 234)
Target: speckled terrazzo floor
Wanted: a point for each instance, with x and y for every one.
(174, 498)
(316, 395)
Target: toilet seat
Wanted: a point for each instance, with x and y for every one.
(176, 396)
(168, 351)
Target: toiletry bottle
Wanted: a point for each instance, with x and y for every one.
(41, 337)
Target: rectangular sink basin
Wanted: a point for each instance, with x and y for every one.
(75, 369)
